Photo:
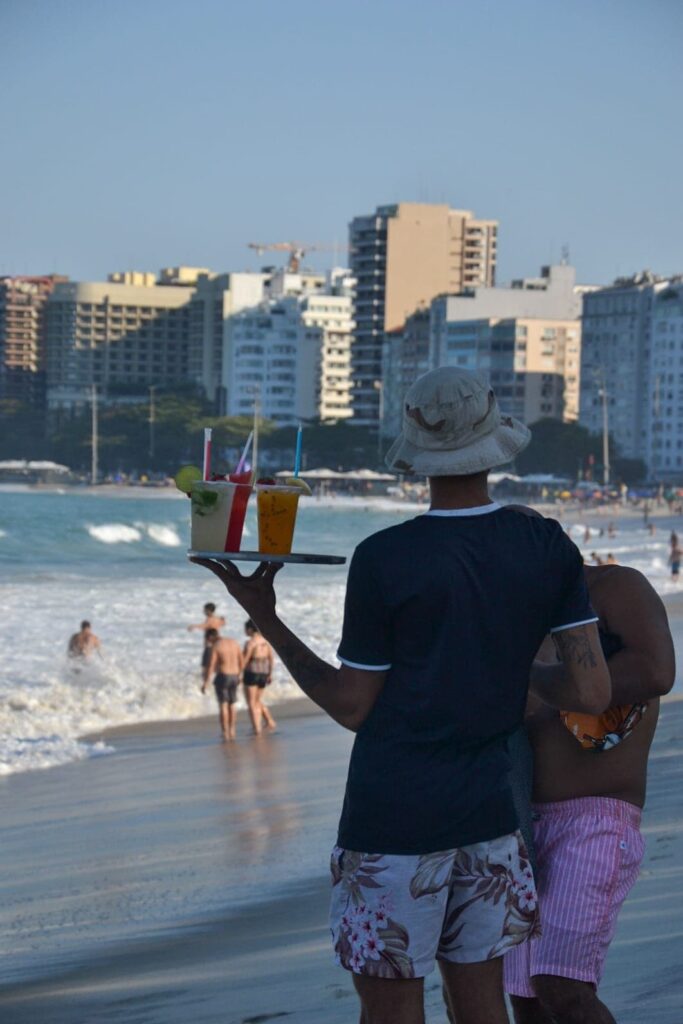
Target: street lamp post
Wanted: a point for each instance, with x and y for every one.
(605, 434)
(152, 419)
(94, 437)
(379, 386)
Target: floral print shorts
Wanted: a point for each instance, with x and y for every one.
(392, 916)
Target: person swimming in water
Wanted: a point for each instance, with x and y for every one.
(84, 643)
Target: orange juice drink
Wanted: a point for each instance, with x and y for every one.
(277, 508)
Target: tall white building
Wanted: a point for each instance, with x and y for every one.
(216, 299)
(664, 424)
(633, 350)
(292, 351)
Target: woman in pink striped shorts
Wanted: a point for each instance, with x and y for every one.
(587, 807)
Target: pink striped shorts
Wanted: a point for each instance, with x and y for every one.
(588, 853)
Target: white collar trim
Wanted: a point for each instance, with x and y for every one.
(479, 510)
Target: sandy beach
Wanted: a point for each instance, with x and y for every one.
(180, 880)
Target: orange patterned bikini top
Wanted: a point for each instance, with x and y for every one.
(602, 732)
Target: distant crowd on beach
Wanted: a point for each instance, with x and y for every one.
(675, 550)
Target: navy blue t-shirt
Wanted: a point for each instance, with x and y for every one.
(453, 605)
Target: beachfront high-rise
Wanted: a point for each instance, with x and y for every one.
(120, 336)
(402, 256)
(138, 330)
(633, 350)
(292, 351)
(22, 337)
(405, 358)
(216, 299)
(664, 429)
(526, 338)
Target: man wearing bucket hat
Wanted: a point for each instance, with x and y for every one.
(443, 616)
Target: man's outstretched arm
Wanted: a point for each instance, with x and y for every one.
(346, 694)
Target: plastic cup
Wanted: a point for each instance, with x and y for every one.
(218, 511)
(277, 508)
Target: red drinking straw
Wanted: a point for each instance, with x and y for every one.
(207, 453)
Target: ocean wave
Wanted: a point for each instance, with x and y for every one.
(164, 535)
(3, 533)
(114, 533)
(19, 754)
(43, 722)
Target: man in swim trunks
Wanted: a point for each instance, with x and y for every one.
(225, 667)
(84, 643)
(258, 670)
(588, 792)
(444, 614)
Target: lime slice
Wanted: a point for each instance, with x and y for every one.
(296, 481)
(203, 502)
(186, 476)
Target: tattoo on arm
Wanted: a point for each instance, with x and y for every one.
(574, 647)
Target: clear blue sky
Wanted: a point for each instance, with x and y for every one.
(146, 133)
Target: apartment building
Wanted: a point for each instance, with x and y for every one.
(526, 338)
(405, 358)
(23, 337)
(616, 333)
(120, 336)
(664, 424)
(528, 361)
(402, 256)
(216, 298)
(293, 351)
(633, 350)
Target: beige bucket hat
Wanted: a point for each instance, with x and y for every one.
(452, 426)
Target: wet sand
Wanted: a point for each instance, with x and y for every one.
(182, 880)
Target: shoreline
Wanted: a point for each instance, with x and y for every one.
(171, 805)
(286, 710)
(127, 490)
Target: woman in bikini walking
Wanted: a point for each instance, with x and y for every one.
(258, 670)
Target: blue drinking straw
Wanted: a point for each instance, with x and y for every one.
(297, 454)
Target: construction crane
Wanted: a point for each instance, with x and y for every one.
(296, 250)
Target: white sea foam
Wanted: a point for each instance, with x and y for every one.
(149, 670)
(18, 753)
(165, 535)
(114, 533)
